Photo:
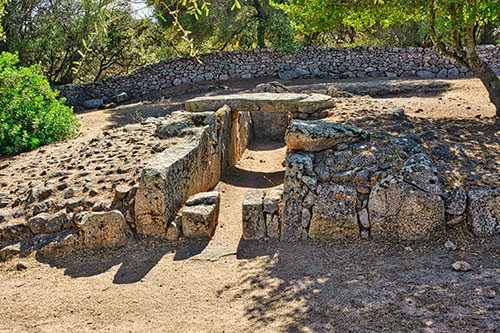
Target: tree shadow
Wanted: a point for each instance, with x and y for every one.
(136, 259)
(366, 287)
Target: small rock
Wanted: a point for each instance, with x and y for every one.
(450, 246)
(20, 266)
(121, 192)
(461, 266)
(69, 194)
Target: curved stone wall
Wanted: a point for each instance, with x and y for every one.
(310, 62)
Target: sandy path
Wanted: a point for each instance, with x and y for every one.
(260, 167)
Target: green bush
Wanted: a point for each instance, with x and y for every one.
(30, 113)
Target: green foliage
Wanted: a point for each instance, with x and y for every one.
(30, 113)
(281, 34)
(2, 13)
(81, 40)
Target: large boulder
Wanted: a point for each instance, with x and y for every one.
(400, 210)
(93, 103)
(320, 135)
(334, 213)
(104, 229)
(408, 204)
(484, 211)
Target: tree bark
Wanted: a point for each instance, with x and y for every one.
(483, 71)
(261, 22)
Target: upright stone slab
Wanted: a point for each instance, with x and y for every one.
(271, 207)
(193, 165)
(334, 213)
(254, 223)
(407, 205)
(484, 211)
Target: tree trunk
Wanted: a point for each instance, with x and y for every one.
(490, 81)
(483, 71)
(261, 22)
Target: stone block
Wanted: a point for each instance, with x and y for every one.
(201, 215)
(320, 135)
(334, 213)
(254, 223)
(484, 211)
(104, 229)
(400, 210)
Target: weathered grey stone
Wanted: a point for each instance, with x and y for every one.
(288, 75)
(419, 171)
(273, 226)
(320, 135)
(442, 74)
(121, 192)
(38, 223)
(453, 73)
(269, 126)
(9, 251)
(120, 98)
(271, 87)
(93, 103)
(484, 211)
(200, 215)
(173, 126)
(334, 213)
(204, 198)
(58, 221)
(315, 103)
(364, 218)
(260, 102)
(425, 74)
(254, 223)
(47, 243)
(174, 229)
(103, 229)
(456, 202)
(398, 209)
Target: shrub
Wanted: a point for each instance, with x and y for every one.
(30, 113)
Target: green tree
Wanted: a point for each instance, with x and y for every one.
(79, 40)
(218, 26)
(453, 25)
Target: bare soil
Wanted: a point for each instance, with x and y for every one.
(230, 285)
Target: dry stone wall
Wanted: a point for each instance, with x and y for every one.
(194, 165)
(344, 182)
(310, 62)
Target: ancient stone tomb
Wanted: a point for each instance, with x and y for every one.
(341, 182)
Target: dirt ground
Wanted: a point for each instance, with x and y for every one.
(230, 285)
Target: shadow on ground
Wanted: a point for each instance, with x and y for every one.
(136, 260)
(368, 287)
